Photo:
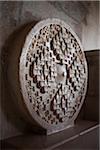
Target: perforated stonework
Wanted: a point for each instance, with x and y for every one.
(53, 73)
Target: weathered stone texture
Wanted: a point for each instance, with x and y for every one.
(13, 15)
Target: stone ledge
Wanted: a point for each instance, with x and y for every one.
(34, 141)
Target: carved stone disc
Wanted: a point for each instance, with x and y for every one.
(53, 74)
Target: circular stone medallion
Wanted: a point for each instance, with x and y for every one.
(53, 74)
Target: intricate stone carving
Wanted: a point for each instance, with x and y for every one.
(53, 73)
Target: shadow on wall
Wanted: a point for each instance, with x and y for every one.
(8, 100)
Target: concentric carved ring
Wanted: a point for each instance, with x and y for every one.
(53, 73)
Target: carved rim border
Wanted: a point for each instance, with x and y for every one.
(28, 40)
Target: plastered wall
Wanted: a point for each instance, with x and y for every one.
(91, 28)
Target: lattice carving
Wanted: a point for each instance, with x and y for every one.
(53, 72)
